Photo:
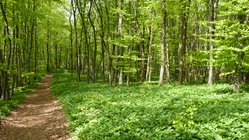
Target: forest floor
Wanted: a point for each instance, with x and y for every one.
(144, 111)
(38, 117)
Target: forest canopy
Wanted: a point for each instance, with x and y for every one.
(124, 41)
(128, 69)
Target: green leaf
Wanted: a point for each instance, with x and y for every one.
(217, 137)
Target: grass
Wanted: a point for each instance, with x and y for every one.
(145, 111)
(20, 93)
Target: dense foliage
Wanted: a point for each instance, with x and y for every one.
(136, 42)
(29, 31)
(144, 111)
(124, 41)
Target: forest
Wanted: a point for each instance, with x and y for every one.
(132, 69)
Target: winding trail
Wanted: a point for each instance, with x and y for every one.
(38, 117)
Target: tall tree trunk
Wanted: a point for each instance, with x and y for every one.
(78, 68)
(183, 40)
(110, 67)
(36, 47)
(102, 36)
(56, 54)
(211, 19)
(149, 55)
(164, 49)
(94, 59)
(7, 44)
(71, 41)
(120, 31)
(81, 10)
(18, 54)
(237, 79)
(48, 47)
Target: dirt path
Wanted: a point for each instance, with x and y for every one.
(38, 117)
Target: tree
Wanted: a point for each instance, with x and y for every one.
(164, 49)
(211, 19)
(232, 40)
(22, 58)
(183, 39)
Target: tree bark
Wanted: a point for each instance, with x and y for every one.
(77, 48)
(94, 59)
(120, 31)
(182, 41)
(48, 47)
(102, 35)
(211, 19)
(164, 49)
(7, 43)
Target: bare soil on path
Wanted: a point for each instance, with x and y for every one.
(38, 117)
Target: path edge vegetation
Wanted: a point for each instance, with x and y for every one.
(125, 41)
(18, 96)
(97, 111)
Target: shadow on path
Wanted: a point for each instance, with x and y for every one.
(38, 117)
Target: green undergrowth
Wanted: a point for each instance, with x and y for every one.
(145, 111)
(19, 94)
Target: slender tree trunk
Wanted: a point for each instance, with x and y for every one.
(102, 36)
(149, 55)
(164, 49)
(183, 41)
(110, 67)
(237, 79)
(94, 59)
(48, 48)
(14, 45)
(36, 47)
(120, 31)
(71, 41)
(60, 56)
(18, 54)
(211, 19)
(7, 44)
(56, 55)
(78, 68)
(148, 69)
